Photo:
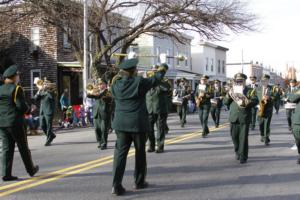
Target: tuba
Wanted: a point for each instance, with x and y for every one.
(238, 97)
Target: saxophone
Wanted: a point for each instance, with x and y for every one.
(200, 98)
(262, 106)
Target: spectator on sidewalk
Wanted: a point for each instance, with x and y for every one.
(32, 120)
(64, 102)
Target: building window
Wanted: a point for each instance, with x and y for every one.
(35, 73)
(219, 66)
(35, 37)
(186, 61)
(206, 65)
(66, 41)
(223, 66)
(168, 58)
(212, 65)
(157, 54)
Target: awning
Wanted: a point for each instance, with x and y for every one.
(69, 64)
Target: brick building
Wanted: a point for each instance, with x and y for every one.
(42, 50)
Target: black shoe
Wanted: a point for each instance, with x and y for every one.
(34, 171)
(237, 156)
(118, 191)
(243, 161)
(159, 150)
(9, 178)
(48, 143)
(290, 128)
(141, 186)
(104, 147)
(267, 141)
(262, 139)
(150, 150)
(298, 161)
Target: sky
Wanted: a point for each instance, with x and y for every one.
(277, 42)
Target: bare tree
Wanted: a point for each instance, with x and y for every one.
(112, 31)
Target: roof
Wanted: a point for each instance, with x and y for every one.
(209, 44)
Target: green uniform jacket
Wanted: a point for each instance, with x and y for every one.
(157, 99)
(103, 105)
(241, 115)
(289, 94)
(220, 92)
(47, 102)
(130, 97)
(269, 106)
(207, 97)
(12, 106)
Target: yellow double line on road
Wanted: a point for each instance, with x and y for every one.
(56, 175)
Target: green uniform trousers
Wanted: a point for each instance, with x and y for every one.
(289, 115)
(46, 125)
(264, 127)
(296, 133)
(182, 111)
(239, 134)
(203, 116)
(160, 120)
(277, 106)
(101, 130)
(123, 143)
(215, 112)
(253, 117)
(10, 136)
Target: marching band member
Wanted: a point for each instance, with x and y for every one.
(254, 86)
(157, 106)
(240, 114)
(216, 102)
(101, 112)
(266, 99)
(182, 93)
(290, 110)
(277, 97)
(46, 96)
(130, 121)
(203, 95)
(13, 107)
(294, 97)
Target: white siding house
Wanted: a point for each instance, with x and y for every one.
(209, 59)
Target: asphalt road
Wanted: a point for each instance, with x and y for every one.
(191, 167)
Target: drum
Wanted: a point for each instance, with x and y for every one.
(177, 100)
(289, 106)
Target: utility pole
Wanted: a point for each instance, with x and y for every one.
(85, 48)
(242, 61)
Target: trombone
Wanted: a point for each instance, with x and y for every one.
(163, 56)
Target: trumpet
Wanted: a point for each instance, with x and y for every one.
(45, 85)
(92, 89)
